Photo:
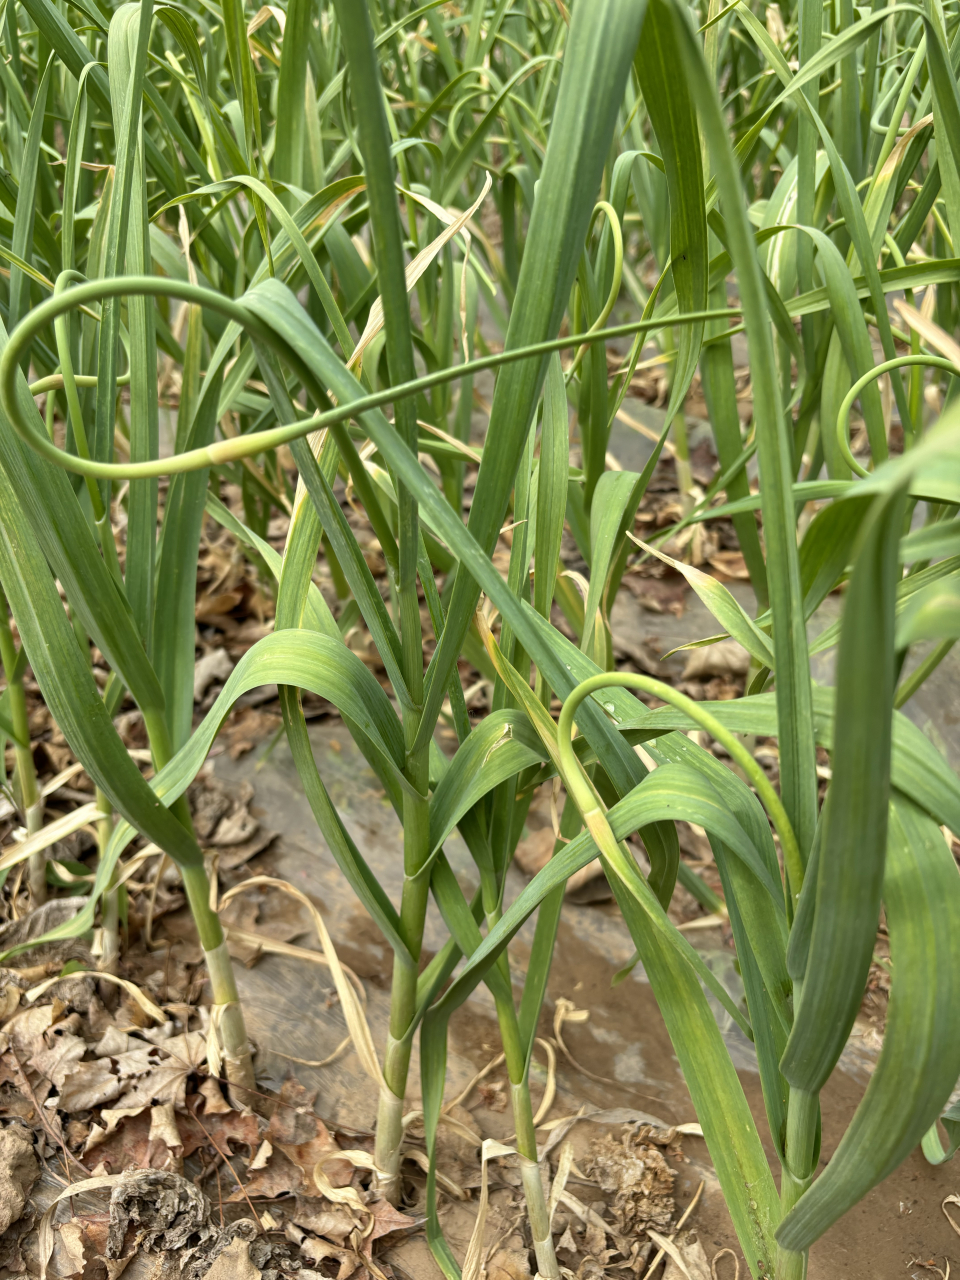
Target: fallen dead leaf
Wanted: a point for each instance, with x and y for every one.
(508, 1264)
(214, 1103)
(686, 1259)
(67, 1257)
(165, 1210)
(318, 1215)
(89, 1085)
(278, 1177)
(246, 728)
(161, 1071)
(215, 665)
(535, 851)
(9, 1001)
(24, 1032)
(317, 1250)
(236, 1127)
(386, 1219)
(125, 1143)
(639, 1178)
(234, 1264)
(299, 1134)
(210, 802)
(235, 828)
(731, 564)
(725, 658)
(19, 1170)
(164, 1140)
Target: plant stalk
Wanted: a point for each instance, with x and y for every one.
(110, 910)
(237, 1055)
(227, 1013)
(537, 1212)
(25, 775)
(375, 144)
(526, 1137)
(797, 1174)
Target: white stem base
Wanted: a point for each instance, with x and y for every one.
(228, 1020)
(388, 1143)
(547, 1266)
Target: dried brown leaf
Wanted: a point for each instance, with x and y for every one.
(236, 1127)
(67, 1258)
(508, 1264)
(234, 1264)
(161, 1071)
(89, 1085)
(19, 1171)
(318, 1215)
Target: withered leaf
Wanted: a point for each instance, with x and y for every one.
(89, 1085)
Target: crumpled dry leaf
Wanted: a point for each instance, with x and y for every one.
(24, 1032)
(19, 1171)
(165, 1209)
(164, 1140)
(730, 563)
(113, 1042)
(567, 1241)
(215, 665)
(40, 921)
(235, 828)
(9, 1000)
(317, 1250)
(243, 1244)
(640, 1180)
(299, 1140)
(245, 728)
(113, 1116)
(386, 1219)
(277, 1177)
(56, 1062)
(209, 801)
(214, 1103)
(332, 1221)
(241, 915)
(236, 1127)
(16, 1241)
(234, 1263)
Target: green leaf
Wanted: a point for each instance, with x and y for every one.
(724, 607)
(615, 503)
(775, 451)
(672, 112)
(920, 1058)
(931, 540)
(68, 687)
(552, 477)
(931, 614)
(850, 873)
(596, 63)
(933, 1149)
(176, 590)
(501, 746)
(23, 220)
